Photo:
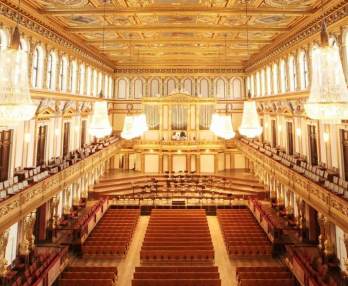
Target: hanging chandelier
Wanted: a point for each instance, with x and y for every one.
(134, 125)
(328, 99)
(100, 124)
(16, 105)
(250, 126)
(221, 126)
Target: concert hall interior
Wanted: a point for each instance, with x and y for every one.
(173, 143)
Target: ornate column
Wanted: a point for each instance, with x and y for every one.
(321, 237)
(289, 208)
(58, 67)
(298, 71)
(66, 208)
(68, 75)
(45, 68)
(27, 243)
(328, 243)
(309, 64)
(3, 245)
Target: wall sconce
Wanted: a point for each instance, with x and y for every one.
(326, 137)
(27, 137)
(298, 132)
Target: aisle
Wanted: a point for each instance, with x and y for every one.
(126, 267)
(222, 260)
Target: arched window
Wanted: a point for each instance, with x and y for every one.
(268, 80)
(252, 86)
(220, 88)
(263, 83)
(258, 84)
(171, 85)
(73, 76)
(155, 87)
(283, 76)
(82, 79)
(3, 40)
(51, 70)
(292, 73)
(100, 83)
(275, 79)
(111, 85)
(204, 88)
(63, 73)
(303, 69)
(187, 85)
(37, 67)
(236, 88)
(24, 46)
(138, 88)
(106, 86)
(248, 84)
(123, 90)
(95, 83)
(89, 81)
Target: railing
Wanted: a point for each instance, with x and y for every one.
(19, 205)
(327, 203)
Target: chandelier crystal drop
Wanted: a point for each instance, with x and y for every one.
(100, 124)
(250, 126)
(221, 126)
(16, 105)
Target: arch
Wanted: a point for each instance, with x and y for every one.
(138, 88)
(204, 87)
(122, 88)
(188, 86)
(220, 88)
(275, 78)
(303, 61)
(73, 76)
(268, 80)
(292, 73)
(82, 77)
(236, 88)
(4, 39)
(51, 70)
(155, 87)
(63, 77)
(37, 67)
(171, 85)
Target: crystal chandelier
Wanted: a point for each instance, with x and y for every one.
(16, 105)
(134, 126)
(100, 124)
(328, 99)
(250, 126)
(221, 126)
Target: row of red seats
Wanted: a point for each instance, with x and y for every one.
(177, 236)
(264, 276)
(89, 276)
(113, 234)
(242, 234)
(176, 276)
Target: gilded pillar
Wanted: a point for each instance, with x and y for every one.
(27, 243)
(298, 71)
(45, 69)
(3, 245)
(328, 243)
(321, 237)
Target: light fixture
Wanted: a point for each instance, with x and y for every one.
(16, 105)
(221, 126)
(134, 126)
(100, 124)
(328, 99)
(250, 126)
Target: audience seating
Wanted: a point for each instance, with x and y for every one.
(242, 234)
(264, 276)
(112, 235)
(89, 276)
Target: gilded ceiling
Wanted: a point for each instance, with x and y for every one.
(181, 32)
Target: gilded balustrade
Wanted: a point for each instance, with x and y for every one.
(327, 203)
(19, 205)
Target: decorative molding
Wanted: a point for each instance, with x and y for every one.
(186, 71)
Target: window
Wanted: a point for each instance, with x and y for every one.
(187, 86)
(283, 76)
(171, 86)
(82, 79)
(111, 87)
(312, 138)
(236, 88)
(5, 147)
(41, 145)
(303, 69)
(138, 88)
(263, 83)
(268, 80)
(248, 84)
(95, 83)
(220, 89)
(66, 138)
(290, 138)
(51, 74)
(204, 88)
(89, 81)
(275, 79)
(24, 46)
(3, 40)
(73, 77)
(63, 73)
(99, 84)
(292, 73)
(106, 86)
(155, 87)
(37, 67)
(258, 84)
(122, 92)
(252, 91)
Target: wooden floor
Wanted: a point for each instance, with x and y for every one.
(127, 265)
